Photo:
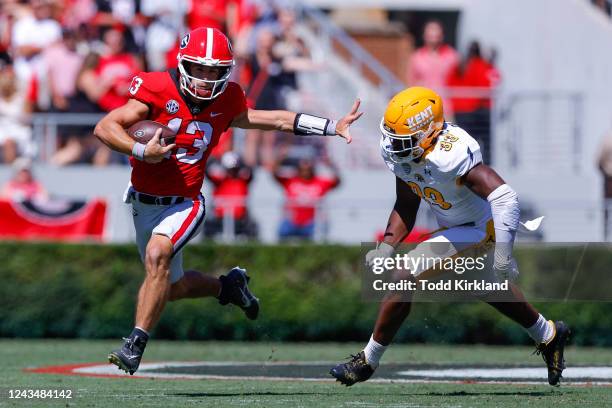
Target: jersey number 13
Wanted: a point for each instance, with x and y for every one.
(201, 144)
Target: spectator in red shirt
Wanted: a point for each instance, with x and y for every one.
(474, 113)
(118, 67)
(304, 193)
(219, 14)
(231, 180)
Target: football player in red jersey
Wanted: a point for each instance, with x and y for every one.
(198, 101)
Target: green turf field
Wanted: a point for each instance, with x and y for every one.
(131, 392)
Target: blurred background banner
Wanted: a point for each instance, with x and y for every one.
(53, 220)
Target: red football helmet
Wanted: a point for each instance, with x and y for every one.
(210, 48)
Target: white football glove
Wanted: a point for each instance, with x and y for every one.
(382, 251)
(504, 264)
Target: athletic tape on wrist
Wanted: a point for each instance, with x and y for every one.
(330, 130)
(138, 151)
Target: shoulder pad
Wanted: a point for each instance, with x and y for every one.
(153, 81)
(455, 153)
(147, 86)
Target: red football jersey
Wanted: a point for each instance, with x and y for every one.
(182, 173)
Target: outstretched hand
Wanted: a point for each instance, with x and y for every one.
(344, 124)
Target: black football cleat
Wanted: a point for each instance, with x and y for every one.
(552, 353)
(356, 370)
(127, 358)
(235, 290)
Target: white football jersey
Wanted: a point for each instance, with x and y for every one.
(436, 178)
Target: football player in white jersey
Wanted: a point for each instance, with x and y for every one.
(440, 163)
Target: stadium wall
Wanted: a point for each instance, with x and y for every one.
(354, 212)
(552, 47)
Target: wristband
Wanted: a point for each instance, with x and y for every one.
(309, 125)
(138, 151)
(330, 130)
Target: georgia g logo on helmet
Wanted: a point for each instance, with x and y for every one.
(184, 41)
(205, 63)
(411, 123)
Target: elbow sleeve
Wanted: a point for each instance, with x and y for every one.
(505, 211)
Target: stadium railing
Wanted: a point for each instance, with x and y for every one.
(358, 57)
(45, 129)
(553, 115)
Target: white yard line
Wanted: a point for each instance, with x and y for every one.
(508, 375)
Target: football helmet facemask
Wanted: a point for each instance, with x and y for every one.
(412, 120)
(207, 47)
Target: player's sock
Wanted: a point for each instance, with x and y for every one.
(139, 331)
(542, 331)
(141, 335)
(373, 352)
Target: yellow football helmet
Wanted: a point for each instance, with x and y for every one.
(413, 119)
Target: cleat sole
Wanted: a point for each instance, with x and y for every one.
(113, 359)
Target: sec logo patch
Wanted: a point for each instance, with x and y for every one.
(172, 106)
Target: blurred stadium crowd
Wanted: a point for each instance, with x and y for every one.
(79, 56)
(604, 5)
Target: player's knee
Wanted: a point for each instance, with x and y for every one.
(157, 260)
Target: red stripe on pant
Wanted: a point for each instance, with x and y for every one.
(185, 226)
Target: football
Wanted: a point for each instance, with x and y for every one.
(144, 130)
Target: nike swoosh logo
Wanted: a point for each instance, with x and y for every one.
(213, 114)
